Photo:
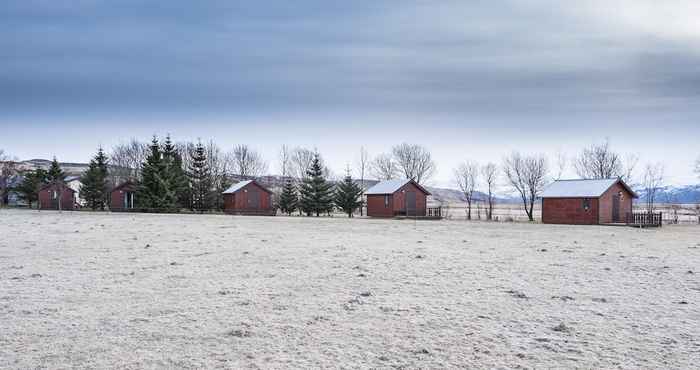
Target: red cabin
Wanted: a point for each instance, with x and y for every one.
(57, 196)
(122, 197)
(402, 197)
(587, 202)
(248, 198)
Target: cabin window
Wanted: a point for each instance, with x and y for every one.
(586, 204)
(54, 194)
(386, 201)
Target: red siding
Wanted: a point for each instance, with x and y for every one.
(569, 211)
(606, 204)
(397, 203)
(117, 196)
(237, 203)
(67, 196)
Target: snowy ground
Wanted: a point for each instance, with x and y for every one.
(186, 291)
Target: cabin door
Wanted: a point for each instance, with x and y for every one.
(410, 203)
(616, 208)
(253, 199)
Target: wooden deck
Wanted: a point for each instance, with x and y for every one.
(644, 219)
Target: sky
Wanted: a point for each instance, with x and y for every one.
(469, 80)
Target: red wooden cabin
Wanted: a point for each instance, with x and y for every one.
(122, 197)
(57, 196)
(401, 197)
(248, 198)
(587, 202)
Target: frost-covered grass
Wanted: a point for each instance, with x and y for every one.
(187, 291)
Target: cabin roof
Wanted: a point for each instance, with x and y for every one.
(240, 185)
(582, 188)
(392, 186)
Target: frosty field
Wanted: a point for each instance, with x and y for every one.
(89, 290)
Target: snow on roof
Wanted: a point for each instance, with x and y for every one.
(578, 188)
(236, 187)
(391, 187)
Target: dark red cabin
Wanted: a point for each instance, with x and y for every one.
(248, 198)
(587, 202)
(400, 197)
(57, 196)
(123, 197)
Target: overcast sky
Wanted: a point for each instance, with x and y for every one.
(467, 79)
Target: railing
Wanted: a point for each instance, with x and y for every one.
(644, 219)
(435, 212)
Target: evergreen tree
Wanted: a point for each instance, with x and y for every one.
(200, 178)
(32, 181)
(152, 189)
(94, 182)
(55, 173)
(178, 193)
(316, 193)
(288, 199)
(348, 195)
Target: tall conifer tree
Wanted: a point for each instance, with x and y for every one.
(348, 195)
(200, 177)
(289, 199)
(94, 182)
(316, 193)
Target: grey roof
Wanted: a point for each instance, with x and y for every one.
(391, 187)
(579, 188)
(236, 187)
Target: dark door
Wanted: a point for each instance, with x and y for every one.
(410, 203)
(616, 208)
(253, 199)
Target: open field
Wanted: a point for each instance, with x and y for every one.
(107, 290)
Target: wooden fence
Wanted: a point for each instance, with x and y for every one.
(645, 219)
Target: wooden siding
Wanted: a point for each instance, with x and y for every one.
(569, 211)
(397, 203)
(117, 196)
(46, 200)
(237, 203)
(606, 204)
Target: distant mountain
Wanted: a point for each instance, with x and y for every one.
(673, 194)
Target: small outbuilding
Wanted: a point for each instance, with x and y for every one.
(587, 202)
(57, 196)
(400, 197)
(248, 198)
(122, 198)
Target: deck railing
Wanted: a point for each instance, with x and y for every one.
(435, 212)
(644, 219)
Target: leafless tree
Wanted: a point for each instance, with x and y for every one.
(489, 174)
(652, 180)
(126, 159)
(562, 163)
(247, 162)
(466, 175)
(301, 161)
(362, 168)
(599, 161)
(8, 169)
(527, 175)
(383, 167)
(414, 161)
(285, 161)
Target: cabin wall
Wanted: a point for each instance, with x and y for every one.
(606, 204)
(377, 207)
(237, 203)
(46, 200)
(569, 211)
(117, 197)
(400, 200)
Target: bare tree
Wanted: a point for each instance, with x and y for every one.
(652, 180)
(383, 167)
(301, 161)
(8, 169)
(599, 161)
(562, 162)
(527, 175)
(489, 173)
(414, 161)
(126, 160)
(466, 176)
(247, 162)
(362, 168)
(285, 161)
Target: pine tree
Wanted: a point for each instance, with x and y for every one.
(94, 182)
(178, 193)
(153, 186)
(32, 181)
(316, 193)
(200, 178)
(288, 199)
(55, 173)
(348, 195)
